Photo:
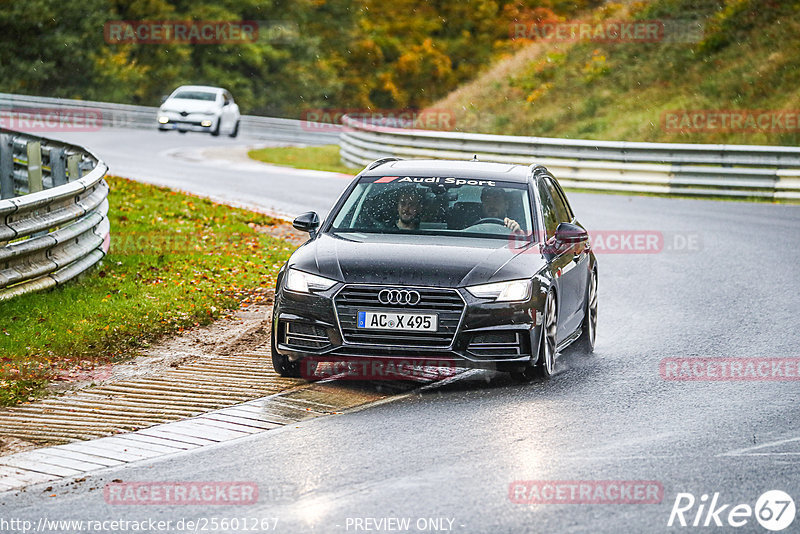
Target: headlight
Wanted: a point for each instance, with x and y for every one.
(207, 124)
(512, 291)
(163, 119)
(306, 283)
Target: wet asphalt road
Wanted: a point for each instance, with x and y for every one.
(216, 167)
(724, 284)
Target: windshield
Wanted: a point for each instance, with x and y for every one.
(435, 206)
(196, 95)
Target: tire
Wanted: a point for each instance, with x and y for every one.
(235, 131)
(182, 131)
(546, 362)
(215, 131)
(281, 363)
(289, 369)
(585, 343)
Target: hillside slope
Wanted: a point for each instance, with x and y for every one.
(742, 58)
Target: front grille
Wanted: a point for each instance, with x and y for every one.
(446, 303)
(306, 336)
(497, 344)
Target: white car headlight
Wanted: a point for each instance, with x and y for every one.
(511, 291)
(306, 283)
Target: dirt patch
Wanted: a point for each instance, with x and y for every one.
(283, 231)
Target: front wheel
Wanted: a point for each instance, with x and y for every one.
(546, 363)
(235, 131)
(589, 325)
(215, 131)
(282, 365)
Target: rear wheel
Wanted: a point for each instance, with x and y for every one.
(589, 326)
(546, 363)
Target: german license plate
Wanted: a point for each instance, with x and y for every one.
(415, 322)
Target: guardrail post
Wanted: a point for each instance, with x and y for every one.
(6, 166)
(58, 166)
(73, 167)
(34, 150)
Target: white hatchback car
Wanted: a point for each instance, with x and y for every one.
(199, 108)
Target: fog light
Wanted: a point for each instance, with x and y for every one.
(163, 120)
(206, 124)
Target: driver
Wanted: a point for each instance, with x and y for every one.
(409, 207)
(494, 205)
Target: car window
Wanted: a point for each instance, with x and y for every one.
(562, 213)
(435, 206)
(560, 202)
(196, 95)
(548, 209)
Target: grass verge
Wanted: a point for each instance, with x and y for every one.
(176, 261)
(315, 158)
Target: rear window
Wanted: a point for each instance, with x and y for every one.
(435, 205)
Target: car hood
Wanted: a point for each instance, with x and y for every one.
(415, 260)
(190, 106)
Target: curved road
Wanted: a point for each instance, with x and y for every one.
(724, 284)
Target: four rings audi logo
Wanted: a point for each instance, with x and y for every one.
(404, 297)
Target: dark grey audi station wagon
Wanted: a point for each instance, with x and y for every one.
(479, 263)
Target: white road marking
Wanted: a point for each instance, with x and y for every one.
(744, 451)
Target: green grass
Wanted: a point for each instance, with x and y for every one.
(176, 261)
(745, 58)
(316, 158)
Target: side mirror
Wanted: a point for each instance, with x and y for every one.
(307, 222)
(164, 98)
(571, 233)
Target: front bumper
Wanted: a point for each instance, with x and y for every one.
(487, 335)
(194, 122)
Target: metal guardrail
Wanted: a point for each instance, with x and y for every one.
(768, 172)
(144, 117)
(53, 212)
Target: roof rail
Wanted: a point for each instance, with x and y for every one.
(381, 161)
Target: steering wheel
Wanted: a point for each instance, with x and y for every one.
(490, 220)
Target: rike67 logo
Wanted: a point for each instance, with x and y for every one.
(774, 510)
